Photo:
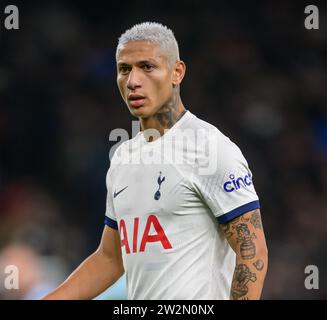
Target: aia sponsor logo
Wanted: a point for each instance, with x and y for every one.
(159, 235)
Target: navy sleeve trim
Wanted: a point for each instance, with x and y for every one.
(238, 211)
(111, 223)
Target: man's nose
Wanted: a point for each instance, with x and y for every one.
(133, 80)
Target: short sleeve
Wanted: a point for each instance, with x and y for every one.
(110, 217)
(228, 188)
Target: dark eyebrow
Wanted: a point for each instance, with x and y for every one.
(123, 64)
(138, 62)
(147, 61)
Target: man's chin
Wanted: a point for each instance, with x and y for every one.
(140, 112)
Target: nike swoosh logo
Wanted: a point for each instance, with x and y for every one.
(117, 193)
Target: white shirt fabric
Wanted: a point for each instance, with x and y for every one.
(171, 246)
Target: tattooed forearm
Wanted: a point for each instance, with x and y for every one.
(241, 218)
(247, 246)
(226, 229)
(245, 235)
(236, 220)
(259, 265)
(256, 219)
(229, 227)
(242, 276)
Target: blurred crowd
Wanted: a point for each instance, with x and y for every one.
(254, 72)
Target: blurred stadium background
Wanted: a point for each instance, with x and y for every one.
(254, 71)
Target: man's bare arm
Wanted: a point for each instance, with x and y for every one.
(246, 236)
(95, 274)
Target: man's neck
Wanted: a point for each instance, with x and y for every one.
(164, 119)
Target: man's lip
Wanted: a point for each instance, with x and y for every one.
(132, 97)
(137, 102)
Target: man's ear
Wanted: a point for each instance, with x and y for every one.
(178, 72)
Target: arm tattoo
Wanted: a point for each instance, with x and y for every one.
(247, 247)
(226, 229)
(240, 219)
(241, 278)
(256, 220)
(234, 221)
(259, 265)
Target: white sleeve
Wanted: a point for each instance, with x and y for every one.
(228, 188)
(110, 217)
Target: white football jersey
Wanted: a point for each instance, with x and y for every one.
(166, 198)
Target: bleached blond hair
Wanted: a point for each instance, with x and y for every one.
(153, 32)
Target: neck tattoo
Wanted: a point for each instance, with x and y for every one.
(181, 115)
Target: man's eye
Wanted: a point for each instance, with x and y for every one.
(148, 67)
(124, 69)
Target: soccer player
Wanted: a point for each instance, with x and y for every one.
(183, 218)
